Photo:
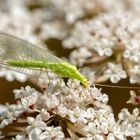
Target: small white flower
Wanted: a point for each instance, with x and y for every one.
(98, 137)
(27, 91)
(104, 47)
(115, 72)
(52, 133)
(132, 51)
(90, 114)
(29, 100)
(9, 118)
(34, 134)
(130, 123)
(62, 110)
(20, 137)
(28, 96)
(44, 115)
(4, 123)
(132, 99)
(35, 123)
(12, 75)
(110, 136)
(134, 74)
(79, 56)
(96, 94)
(51, 101)
(3, 109)
(90, 128)
(77, 115)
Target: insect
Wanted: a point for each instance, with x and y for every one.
(17, 54)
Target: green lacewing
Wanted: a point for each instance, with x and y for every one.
(17, 54)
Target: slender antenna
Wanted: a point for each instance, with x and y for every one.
(112, 86)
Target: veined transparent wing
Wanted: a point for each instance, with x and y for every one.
(12, 48)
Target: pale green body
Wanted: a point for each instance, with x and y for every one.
(19, 54)
(60, 68)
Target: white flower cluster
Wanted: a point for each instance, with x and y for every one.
(12, 75)
(93, 35)
(68, 112)
(10, 113)
(61, 15)
(115, 72)
(130, 123)
(38, 130)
